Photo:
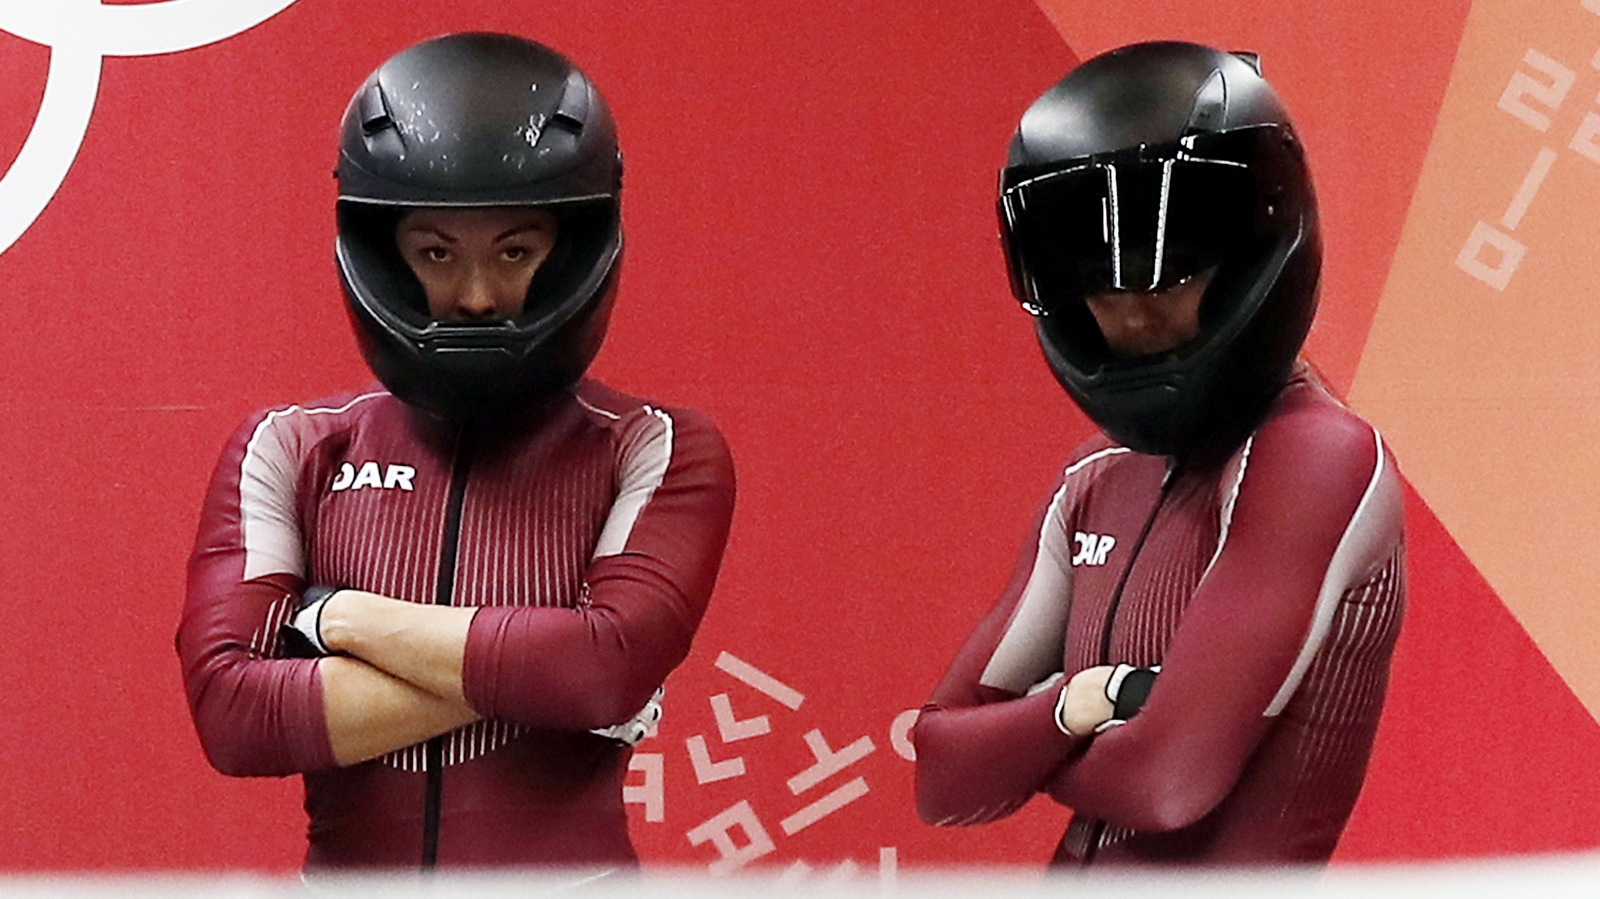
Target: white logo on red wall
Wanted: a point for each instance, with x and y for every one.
(1534, 94)
(80, 33)
(743, 833)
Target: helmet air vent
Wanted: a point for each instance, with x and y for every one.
(1253, 60)
(378, 127)
(1210, 105)
(573, 110)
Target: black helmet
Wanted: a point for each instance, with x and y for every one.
(472, 120)
(1143, 167)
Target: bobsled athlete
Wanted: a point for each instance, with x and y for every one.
(448, 600)
(1193, 650)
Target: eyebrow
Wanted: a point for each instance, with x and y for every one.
(508, 233)
(428, 229)
(518, 229)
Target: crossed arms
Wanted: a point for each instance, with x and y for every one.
(395, 678)
(985, 747)
(408, 672)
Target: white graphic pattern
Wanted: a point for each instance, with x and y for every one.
(79, 34)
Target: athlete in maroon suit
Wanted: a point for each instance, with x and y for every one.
(492, 564)
(1267, 585)
(1234, 546)
(587, 550)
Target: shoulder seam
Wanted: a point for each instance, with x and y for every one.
(274, 415)
(596, 409)
(1094, 457)
(1228, 503)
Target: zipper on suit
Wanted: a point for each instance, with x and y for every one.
(433, 750)
(1099, 830)
(1127, 571)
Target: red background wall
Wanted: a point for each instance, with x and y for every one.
(812, 260)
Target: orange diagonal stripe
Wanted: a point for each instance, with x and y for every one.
(1483, 364)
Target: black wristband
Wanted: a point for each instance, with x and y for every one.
(307, 644)
(1135, 689)
(315, 594)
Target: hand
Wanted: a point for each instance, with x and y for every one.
(301, 636)
(642, 724)
(1083, 705)
(1100, 698)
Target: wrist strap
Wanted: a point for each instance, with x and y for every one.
(318, 594)
(307, 619)
(1128, 688)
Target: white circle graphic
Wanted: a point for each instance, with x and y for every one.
(80, 33)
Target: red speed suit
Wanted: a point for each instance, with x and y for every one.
(590, 545)
(1267, 584)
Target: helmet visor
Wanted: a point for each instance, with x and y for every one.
(1141, 221)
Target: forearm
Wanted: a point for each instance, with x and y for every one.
(1158, 773)
(258, 717)
(370, 712)
(1206, 711)
(420, 645)
(982, 762)
(254, 716)
(587, 667)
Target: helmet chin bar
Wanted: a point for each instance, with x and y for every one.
(488, 375)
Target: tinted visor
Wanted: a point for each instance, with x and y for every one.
(1137, 221)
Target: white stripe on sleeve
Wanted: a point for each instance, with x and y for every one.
(1031, 646)
(268, 525)
(644, 467)
(1368, 539)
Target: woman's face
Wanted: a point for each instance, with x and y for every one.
(475, 264)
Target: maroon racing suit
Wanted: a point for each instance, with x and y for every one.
(1267, 583)
(589, 542)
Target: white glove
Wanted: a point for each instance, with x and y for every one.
(641, 725)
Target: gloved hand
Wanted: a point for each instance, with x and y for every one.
(1097, 699)
(301, 635)
(1082, 706)
(633, 730)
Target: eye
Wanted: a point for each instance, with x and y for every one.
(515, 253)
(435, 254)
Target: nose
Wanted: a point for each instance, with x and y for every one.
(1139, 314)
(477, 300)
(1127, 312)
